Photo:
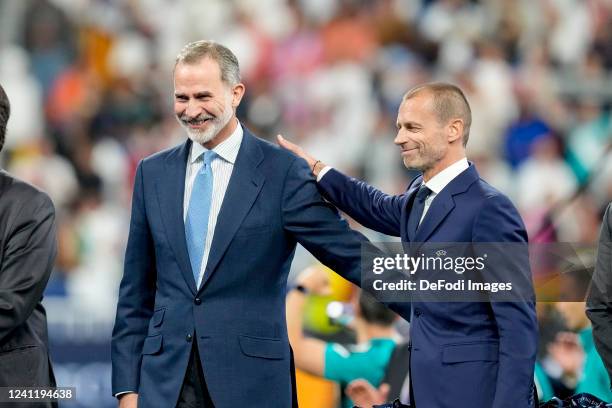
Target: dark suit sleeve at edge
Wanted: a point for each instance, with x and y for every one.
(599, 302)
(27, 263)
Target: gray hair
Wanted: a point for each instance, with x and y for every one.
(228, 63)
(449, 102)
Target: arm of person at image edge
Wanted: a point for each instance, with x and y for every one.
(29, 255)
(599, 303)
(516, 321)
(135, 304)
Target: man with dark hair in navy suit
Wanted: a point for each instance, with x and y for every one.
(215, 222)
(463, 354)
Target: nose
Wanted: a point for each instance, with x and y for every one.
(192, 110)
(398, 139)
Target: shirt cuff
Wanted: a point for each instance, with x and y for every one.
(117, 395)
(323, 172)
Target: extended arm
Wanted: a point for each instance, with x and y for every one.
(370, 207)
(317, 226)
(28, 259)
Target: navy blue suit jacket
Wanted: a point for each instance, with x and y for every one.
(237, 316)
(464, 354)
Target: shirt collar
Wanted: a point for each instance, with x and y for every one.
(441, 180)
(227, 149)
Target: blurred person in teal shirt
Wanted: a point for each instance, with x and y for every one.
(592, 377)
(374, 327)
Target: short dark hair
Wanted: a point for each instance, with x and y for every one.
(5, 112)
(375, 312)
(228, 63)
(449, 102)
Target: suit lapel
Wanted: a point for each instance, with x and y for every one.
(170, 194)
(443, 203)
(243, 188)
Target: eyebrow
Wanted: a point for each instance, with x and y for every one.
(197, 95)
(408, 124)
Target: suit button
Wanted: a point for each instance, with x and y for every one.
(188, 337)
(197, 301)
(417, 312)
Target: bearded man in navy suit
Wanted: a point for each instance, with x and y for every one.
(463, 354)
(215, 222)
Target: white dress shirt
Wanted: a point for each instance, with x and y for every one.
(441, 180)
(435, 184)
(222, 167)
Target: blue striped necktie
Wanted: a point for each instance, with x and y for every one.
(196, 223)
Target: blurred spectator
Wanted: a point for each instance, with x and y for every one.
(396, 383)
(589, 138)
(522, 134)
(39, 164)
(572, 363)
(99, 231)
(373, 324)
(592, 376)
(534, 175)
(27, 121)
(48, 37)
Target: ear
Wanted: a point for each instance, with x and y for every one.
(237, 94)
(455, 130)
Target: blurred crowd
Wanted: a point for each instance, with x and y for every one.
(90, 82)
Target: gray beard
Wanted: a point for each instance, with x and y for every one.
(213, 130)
(204, 136)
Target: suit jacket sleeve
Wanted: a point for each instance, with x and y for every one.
(136, 296)
(370, 207)
(599, 303)
(499, 222)
(29, 255)
(317, 225)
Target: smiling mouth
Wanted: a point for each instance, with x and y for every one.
(197, 123)
(404, 151)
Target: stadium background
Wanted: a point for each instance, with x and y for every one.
(91, 88)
